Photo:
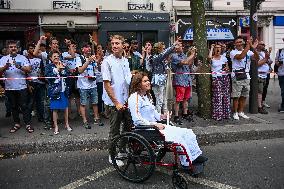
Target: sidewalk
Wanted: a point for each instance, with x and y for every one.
(207, 131)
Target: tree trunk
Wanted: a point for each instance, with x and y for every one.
(200, 41)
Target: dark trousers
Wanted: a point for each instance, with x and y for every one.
(116, 118)
(265, 87)
(19, 99)
(100, 95)
(281, 84)
(37, 98)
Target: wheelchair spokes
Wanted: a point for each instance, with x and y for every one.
(137, 157)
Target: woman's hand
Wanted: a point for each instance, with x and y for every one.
(160, 126)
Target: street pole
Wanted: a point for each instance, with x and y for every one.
(253, 96)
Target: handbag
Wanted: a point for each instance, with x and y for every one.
(241, 73)
(54, 91)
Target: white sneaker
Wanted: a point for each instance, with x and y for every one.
(242, 114)
(265, 105)
(236, 116)
(119, 163)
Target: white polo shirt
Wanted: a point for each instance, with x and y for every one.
(116, 70)
(13, 72)
(264, 68)
(243, 63)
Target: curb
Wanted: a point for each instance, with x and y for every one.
(12, 150)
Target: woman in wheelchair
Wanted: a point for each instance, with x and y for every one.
(143, 112)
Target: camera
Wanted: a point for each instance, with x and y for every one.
(280, 62)
(91, 78)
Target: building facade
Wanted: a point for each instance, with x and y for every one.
(226, 19)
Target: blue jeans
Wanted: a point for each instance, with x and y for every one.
(281, 84)
(88, 93)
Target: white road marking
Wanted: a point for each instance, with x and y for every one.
(201, 181)
(101, 173)
(89, 178)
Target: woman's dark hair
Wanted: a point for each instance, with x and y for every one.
(136, 83)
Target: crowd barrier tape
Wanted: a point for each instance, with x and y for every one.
(177, 73)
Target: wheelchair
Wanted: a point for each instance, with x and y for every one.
(142, 149)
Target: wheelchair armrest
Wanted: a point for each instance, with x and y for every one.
(143, 127)
(164, 121)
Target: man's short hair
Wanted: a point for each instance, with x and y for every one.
(52, 39)
(42, 45)
(238, 37)
(119, 37)
(86, 44)
(134, 41)
(12, 42)
(30, 45)
(72, 42)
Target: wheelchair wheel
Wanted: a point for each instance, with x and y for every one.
(136, 154)
(179, 181)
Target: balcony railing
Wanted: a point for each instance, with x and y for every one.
(5, 4)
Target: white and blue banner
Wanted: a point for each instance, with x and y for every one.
(212, 34)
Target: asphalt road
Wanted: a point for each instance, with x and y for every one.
(247, 164)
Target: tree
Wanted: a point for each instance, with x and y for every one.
(200, 41)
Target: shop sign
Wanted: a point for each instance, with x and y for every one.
(136, 6)
(134, 17)
(244, 21)
(212, 34)
(66, 5)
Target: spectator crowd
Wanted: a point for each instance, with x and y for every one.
(42, 80)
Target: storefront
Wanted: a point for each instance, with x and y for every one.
(19, 27)
(140, 26)
(71, 26)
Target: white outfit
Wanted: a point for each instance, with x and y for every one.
(35, 64)
(239, 64)
(116, 70)
(280, 58)
(13, 72)
(216, 66)
(143, 112)
(263, 70)
(84, 82)
(71, 63)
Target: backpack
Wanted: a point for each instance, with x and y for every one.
(275, 66)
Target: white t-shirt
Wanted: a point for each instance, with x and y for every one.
(70, 63)
(243, 63)
(280, 58)
(35, 64)
(263, 69)
(116, 71)
(83, 82)
(13, 72)
(217, 66)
